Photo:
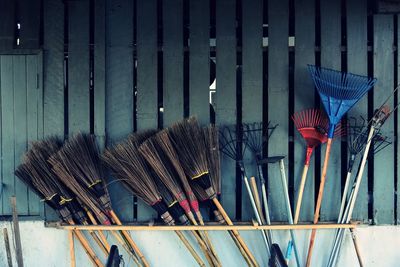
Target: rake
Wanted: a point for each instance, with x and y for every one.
(188, 141)
(312, 124)
(373, 135)
(339, 92)
(131, 169)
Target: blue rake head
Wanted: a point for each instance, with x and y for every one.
(339, 92)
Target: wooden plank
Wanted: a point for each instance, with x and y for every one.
(78, 67)
(99, 72)
(225, 95)
(30, 23)
(32, 129)
(304, 99)
(278, 99)
(252, 83)
(398, 128)
(7, 124)
(383, 206)
(20, 127)
(172, 61)
(330, 58)
(357, 62)
(147, 92)
(119, 89)
(53, 83)
(199, 60)
(7, 26)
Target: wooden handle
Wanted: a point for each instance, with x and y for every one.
(100, 233)
(236, 233)
(356, 247)
(89, 251)
(190, 248)
(71, 248)
(7, 245)
(204, 248)
(208, 240)
(242, 251)
(254, 189)
(130, 240)
(319, 200)
(300, 194)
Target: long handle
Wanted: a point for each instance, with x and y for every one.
(71, 247)
(344, 196)
(254, 190)
(89, 251)
(7, 245)
(208, 254)
(300, 193)
(319, 200)
(100, 233)
(356, 186)
(253, 204)
(235, 232)
(130, 240)
(208, 240)
(190, 248)
(17, 236)
(265, 200)
(289, 209)
(357, 248)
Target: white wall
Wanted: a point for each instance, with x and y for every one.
(47, 247)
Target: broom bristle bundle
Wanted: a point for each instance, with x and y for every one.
(211, 134)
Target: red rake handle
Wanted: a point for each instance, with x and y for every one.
(319, 200)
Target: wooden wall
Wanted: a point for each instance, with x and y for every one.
(117, 66)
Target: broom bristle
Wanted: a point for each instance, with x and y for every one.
(211, 134)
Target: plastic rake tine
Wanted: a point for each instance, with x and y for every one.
(339, 92)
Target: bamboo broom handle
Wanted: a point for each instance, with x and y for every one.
(319, 200)
(126, 247)
(71, 248)
(92, 256)
(99, 243)
(356, 247)
(85, 244)
(235, 232)
(254, 189)
(300, 194)
(210, 256)
(190, 248)
(208, 240)
(100, 233)
(129, 239)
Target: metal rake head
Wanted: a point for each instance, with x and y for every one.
(256, 136)
(339, 91)
(229, 142)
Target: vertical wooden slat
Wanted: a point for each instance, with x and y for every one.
(7, 25)
(226, 92)
(53, 83)
(383, 162)
(199, 60)
(99, 72)
(20, 127)
(7, 124)
(172, 61)
(357, 62)
(304, 98)
(33, 120)
(252, 82)
(331, 58)
(30, 21)
(398, 125)
(78, 67)
(147, 104)
(119, 92)
(278, 99)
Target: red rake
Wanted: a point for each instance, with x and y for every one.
(313, 126)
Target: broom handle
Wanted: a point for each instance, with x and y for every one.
(100, 233)
(99, 243)
(319, 200)
(356, 247)
(126, 247)
(129, 239)
(300, 193)
(288, 208)
(344, 196)
(254, 190)
(190, 248)
(264, 198)
(208, 240)
(85, 244)
(235, 232)
(71, 248)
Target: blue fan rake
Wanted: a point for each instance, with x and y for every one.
(339, 92)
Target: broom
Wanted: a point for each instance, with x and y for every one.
(77, 165)
(37, 157)
(151, 151)
(126, 163)
(47, 191)
(339, 92)
(187, 140)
